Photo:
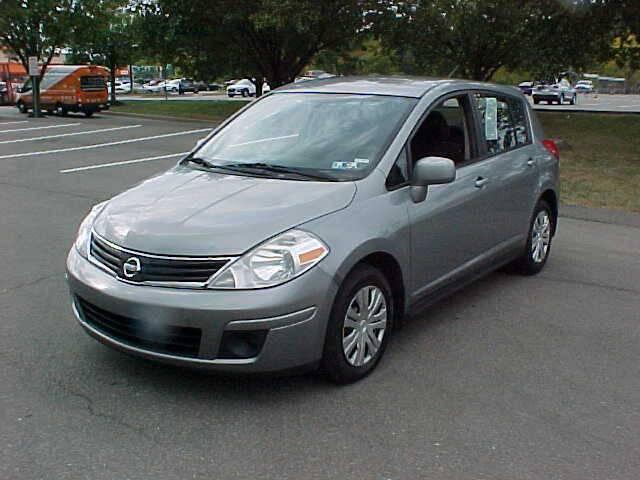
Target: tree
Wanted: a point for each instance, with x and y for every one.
(38, 28)
(272, 39)
(475, 38)
(105, 37)
(155, 28)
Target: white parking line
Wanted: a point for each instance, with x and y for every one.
(124, 162)
(99, 145)
(72, 134)
(42, 127)
(11, 123)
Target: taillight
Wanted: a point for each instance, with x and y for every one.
(552, 148)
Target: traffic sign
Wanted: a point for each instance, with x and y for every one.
(34, 69)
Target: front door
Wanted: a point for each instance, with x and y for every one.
(452, 227)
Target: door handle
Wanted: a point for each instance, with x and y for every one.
(481, 182)
(531, 162)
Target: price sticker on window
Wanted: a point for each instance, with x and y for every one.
(491, 118)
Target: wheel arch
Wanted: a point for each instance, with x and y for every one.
(390, 267)
(551, 198)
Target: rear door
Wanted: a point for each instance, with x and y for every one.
(509, 154)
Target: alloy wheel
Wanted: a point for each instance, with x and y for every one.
(364, 325)
(540, 236)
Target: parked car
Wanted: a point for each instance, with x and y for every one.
(181, 86)
(68, 88)
(214, 86)
(526, 87)
(154, 86)
(584, 86)
(244, 87)
(200, 86)
(557, 93)
(120, 86)
(301, 231)
(313, 75)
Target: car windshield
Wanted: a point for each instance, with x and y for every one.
(334, 136)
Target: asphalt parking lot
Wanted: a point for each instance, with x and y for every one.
(511, 378)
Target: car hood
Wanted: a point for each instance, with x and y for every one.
(193, 212)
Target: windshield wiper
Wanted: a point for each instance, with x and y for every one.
(265, 167)
(200, 161)
(259, 168)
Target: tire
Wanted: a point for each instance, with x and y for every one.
(88, 114)
(245, 92)
(363, 284)
(22, 108)
(536, 101)
(61, 110)
(231, 95)
(573, 100)
(529, 263)
(174, 89)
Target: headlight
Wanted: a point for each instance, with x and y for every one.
(276, 261)
(84, 232)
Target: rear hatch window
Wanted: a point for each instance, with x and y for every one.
(92, 82)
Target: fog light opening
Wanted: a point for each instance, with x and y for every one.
(242, 344)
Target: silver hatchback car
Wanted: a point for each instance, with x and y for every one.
(311, 222)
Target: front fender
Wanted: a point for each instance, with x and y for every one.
(378, 224)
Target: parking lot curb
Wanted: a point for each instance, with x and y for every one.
(601, 215)
(163, 117)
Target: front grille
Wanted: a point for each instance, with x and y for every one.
(174, 340)
(154, 269)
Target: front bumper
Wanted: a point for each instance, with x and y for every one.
(293, 316)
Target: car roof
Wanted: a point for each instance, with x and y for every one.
(400, 86)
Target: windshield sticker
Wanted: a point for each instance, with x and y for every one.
(491, 119)
(363, 161)
(344, 165)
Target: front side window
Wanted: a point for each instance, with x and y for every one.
(503, 122)
(26, 86)
(335, 136)
(399, 174)
(444, 132)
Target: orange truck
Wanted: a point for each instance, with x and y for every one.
(68, 88)
(12, 75)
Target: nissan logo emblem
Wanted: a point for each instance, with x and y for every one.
(131, 267)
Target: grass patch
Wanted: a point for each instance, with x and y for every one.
(600, 164)
(215, 110)
(600, 161)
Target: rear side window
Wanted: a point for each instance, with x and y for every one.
(92, 82)
(503, 122)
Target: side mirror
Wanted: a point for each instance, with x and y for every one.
(430, 171)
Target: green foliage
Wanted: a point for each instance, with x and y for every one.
(368, 57)
(40, 27)
(274, 39)
(475, 38)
